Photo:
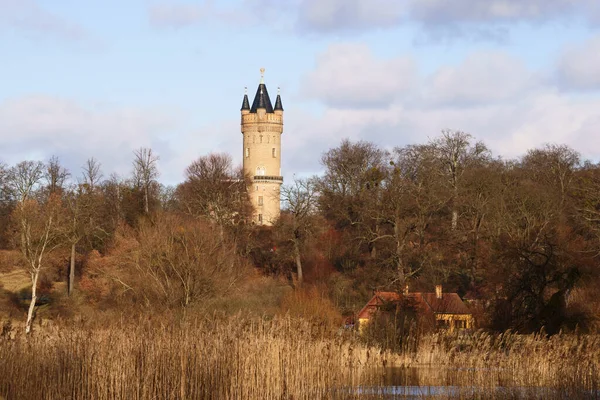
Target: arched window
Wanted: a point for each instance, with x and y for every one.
(261, 171)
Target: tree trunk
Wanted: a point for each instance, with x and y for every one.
(72, 270)
(298, 262)
(454, 210)
(146, 206)
(454, 219)
(34, 278)
(373, 244)
(400, 242)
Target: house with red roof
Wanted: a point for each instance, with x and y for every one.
(447, 310)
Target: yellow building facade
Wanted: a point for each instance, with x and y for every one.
(262, 127)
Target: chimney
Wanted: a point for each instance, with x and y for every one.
(438, 291)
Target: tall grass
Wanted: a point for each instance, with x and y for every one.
(286, 358)
(508, 365)
(223, 359)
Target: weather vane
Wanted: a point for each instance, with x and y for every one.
(262, 75)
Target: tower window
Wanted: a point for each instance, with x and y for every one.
(273, 152)
(256, 188)
(247, 152)
(261, 171)
(260, 218)
(260, 200)
(260, 138)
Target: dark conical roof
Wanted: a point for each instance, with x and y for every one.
(278, 104)
(245, 103)
(262, 100)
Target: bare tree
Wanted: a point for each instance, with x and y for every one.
(456, 154)
(182, 262)
(112, 194)
(82, 220)
(56, 175)
(92, 174)
(300, 201)
(24, 178)
(39, 227)
(4, 189)
(554, 165)
(36, 222)
(145, 172)
(213, 190)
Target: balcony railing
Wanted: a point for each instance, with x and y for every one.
(268, 178)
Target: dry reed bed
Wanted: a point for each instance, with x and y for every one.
(233, 359)
(281, 359)
(564, 362)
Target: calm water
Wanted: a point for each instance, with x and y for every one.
(451, 383)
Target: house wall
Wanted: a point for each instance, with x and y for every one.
(451, 321)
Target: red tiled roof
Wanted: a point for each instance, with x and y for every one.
(378, 299)
(450, 303)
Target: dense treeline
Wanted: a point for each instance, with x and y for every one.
(519, 238)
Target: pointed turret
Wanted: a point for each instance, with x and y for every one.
(261, 99)
(245, 102)
(278, 104)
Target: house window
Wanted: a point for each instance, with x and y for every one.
(260, 218)
(260, 200)
(443, 324)
(273, 152)
(247, 152)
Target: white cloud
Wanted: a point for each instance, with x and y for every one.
(177, 14)
(482, 78)
(491, 95)
(30, 17)
(442, 11)
(37, 127)
(350, 15)
(439, 19)
(579, 66)
(349, 75)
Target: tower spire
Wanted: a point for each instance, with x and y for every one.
(278, 104)
(245, 102)
(261, 99)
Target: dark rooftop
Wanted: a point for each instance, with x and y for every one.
(278, 104)
(245, 102)
(261, 99)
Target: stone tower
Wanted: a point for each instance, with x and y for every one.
(262, 126)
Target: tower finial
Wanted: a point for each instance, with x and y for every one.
(245, 90)
(278, 90)
(262, 75)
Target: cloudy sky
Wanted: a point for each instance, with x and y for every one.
(103, 77)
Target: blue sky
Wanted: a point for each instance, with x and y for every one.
(92, 78)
